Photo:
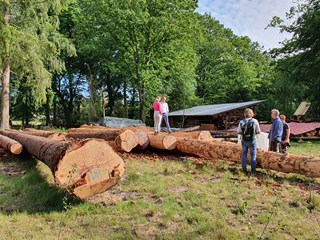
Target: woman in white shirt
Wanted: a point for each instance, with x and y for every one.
(165, 112)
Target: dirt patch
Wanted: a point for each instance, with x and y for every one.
(159, 155)
(11, 171)
(3, 153)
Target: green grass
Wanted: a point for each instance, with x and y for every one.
(161, 200)
(306, 148)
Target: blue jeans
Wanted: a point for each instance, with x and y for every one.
(165, 116)
(253, 152)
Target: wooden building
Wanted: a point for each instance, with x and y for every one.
(211, 117)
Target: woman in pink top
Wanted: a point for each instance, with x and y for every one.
(157, 115)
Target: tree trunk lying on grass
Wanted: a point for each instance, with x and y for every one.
(47, 134)
(162, 141)
(87, 167)
(199, 135)
(190, 129)
(224, 134)
(217, 150)
(10, 145)
(142, 137)
(125, 139)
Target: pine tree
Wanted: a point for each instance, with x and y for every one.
(31, 45)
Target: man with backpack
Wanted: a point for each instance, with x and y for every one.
(248, 129)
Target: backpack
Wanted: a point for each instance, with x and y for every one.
(247, 128)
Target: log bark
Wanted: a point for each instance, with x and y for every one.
(93, 127)
(10, 145)
(125, 139)
(199, 135)
(189, 129)
(224, 134)
(90, 129)
(217, 150)
(142, 137)
(162, 141)
(48, 134)
(86, 168)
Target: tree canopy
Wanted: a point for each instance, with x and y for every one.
(130, 51)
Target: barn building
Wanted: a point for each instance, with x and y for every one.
(211, 117)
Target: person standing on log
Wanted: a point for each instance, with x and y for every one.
(157, 115)
(248, 128)
(165, 112)
(276, 130)
(285, 140)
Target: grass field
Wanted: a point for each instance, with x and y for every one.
(162, 200)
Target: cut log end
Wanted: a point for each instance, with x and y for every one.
(127, 140)
(91, 167)
(10, 145)
(143, 140)
(205, 136)
(16, 149)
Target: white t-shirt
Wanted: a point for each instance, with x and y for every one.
(164, 107)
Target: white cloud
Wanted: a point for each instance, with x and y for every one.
(249, 17)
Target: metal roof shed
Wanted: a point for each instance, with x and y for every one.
(217, 114)
(208, 110)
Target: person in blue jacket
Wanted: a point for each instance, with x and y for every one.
(275, 133)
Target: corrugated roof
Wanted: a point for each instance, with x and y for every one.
(296, 128)
(208, 110)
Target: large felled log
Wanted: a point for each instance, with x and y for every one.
(125, 139)
(87, 167)
(189, 129)
(142, 137)
(199, 135)
(10, 145)
(216, 150)
(36, 132)
(224, 134)
(47, 134)
(162, 141)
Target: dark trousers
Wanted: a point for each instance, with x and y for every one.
(283, 147)
(275, 146)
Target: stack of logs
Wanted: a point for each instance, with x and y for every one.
(86, 161)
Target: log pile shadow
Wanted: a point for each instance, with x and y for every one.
(27, 186)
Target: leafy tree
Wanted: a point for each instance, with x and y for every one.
(31, 46)
(147, 33)
(299, 56)
(231, 68)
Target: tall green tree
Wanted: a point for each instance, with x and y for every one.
(231, 68)
(31, 45)
(301, 53)
(148, 33)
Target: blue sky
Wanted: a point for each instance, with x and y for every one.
(249, 17)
